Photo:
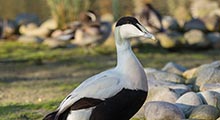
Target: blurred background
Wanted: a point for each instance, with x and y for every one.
(47, 22)
(48, 47)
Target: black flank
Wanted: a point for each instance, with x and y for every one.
(122, 106)
(85, 103)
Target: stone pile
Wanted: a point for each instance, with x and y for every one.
(197, 27)
(200, 29)
(177, 93)
(27, 28)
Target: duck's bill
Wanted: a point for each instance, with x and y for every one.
(150, 36)
(146, 33)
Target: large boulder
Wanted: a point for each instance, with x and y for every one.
(205, 112)
(196, 39)
(202, 8)
(159, 110)
(174, 68)
(208, 73)
(195, 24)
(164, 76)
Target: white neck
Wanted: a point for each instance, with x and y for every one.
(128, 64)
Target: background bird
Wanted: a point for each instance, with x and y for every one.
(91, 32)
(151, 19)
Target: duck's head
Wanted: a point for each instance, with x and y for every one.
(129, 27)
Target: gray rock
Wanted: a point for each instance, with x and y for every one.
(169, 40)
(214, 38)
(179, 89)
(159, 110)
(208, 73)
(174, 68)
(50, 24)
(190, 75)
(205, 112)
(195, 24)
(29, 39)
(210, 87)
(187, 109)
(27, 27)
(210, 98)
(212, 23)
(163, 76)
(38, 32)
(203, 8)
(182, 14)
(196, 39)
(170, 23)
(139, 115)
(8, 28)
(162, 93)
(55, 43)
(190, 98)
(188, 101)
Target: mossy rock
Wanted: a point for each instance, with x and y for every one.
(205, 112)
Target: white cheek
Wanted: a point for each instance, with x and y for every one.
(128, 31)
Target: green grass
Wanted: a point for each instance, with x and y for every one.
(34, 79)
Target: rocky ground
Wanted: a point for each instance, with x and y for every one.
(34, 79)
(177, 93)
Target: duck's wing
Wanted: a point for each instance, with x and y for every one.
(91, 92)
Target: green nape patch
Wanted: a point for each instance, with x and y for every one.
(26, 111)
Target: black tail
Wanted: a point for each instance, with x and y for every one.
(50, 116)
